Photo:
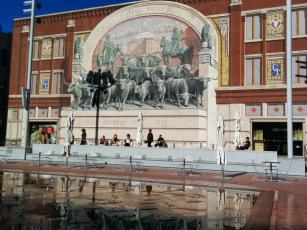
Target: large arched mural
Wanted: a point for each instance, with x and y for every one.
(164, 57)
(152, 51)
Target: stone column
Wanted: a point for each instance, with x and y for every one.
(208, 67)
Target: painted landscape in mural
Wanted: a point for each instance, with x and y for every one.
(148, 41)
(154, 61)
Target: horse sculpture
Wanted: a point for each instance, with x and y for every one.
(109, 60)
(185, 54)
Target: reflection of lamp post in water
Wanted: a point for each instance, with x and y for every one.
(220, 203)
(94, 192)
(113, 186)
(148, 189)
(220, 153)
(237, 202)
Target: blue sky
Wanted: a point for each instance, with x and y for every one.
(11, 9)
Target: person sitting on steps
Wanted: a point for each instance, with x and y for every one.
(159, 142)
(128, 141)
(246, 145)
(115, 140)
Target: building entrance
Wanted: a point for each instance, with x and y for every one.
(47, 132)
(272, 136)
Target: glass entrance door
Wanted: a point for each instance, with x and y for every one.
(272, 136)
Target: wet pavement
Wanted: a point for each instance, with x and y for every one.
(290, 199)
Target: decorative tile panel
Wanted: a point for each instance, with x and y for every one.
(54, 113)
(25, 29)
(42, 113)
(32, 113)
(46, 48)
(300, 110)
(276, 109)
(275, 24)
(15, 114)
(224, 29)
(71, 23)
(235, 2)
(253, 110)
(44, 82)
(275, 70)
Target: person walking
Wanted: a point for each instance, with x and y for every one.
(83, 137)
(149, 139)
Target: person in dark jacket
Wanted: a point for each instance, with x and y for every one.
(159, 142)
(246, 145)
(83, 137)
(149, 139)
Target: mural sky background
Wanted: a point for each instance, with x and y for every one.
(11, 9)
(151, 27)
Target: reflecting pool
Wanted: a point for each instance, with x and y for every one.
(36, 201)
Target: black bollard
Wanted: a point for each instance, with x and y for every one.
(130, 159)
(39, 158)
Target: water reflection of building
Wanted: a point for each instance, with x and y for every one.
(43, 203)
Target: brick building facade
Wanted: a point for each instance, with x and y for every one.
(252, 69)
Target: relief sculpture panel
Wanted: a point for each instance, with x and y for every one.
(154, 61)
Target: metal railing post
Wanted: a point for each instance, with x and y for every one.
(86, 160)
(39, 158)
(130, 160)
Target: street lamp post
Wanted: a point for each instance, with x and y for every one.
(26, 92)
(108, 80)
(289, 79)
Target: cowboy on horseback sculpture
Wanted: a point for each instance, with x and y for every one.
(174, 49)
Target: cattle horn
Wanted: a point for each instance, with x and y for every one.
(66, 82)
(213, 78)
(209, 78)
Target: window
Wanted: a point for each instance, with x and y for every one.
(297, 70)
(57, 80)
(299, 24)
(36, 46)
(253, 27)
(58, 47)
(253, 71)
(34, 86)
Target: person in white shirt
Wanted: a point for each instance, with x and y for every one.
(128, 141)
